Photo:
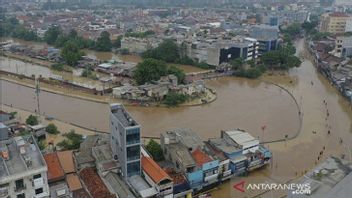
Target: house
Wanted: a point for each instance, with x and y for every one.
(184, 149)
(94, 184)
(157, 177)
(242, 149)
(115, 183)
(66, 161)
(38, 131)
(55, 171)
(224, 162)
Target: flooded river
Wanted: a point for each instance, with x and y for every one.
(241, 103)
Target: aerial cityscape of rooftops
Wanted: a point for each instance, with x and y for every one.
(175, 98)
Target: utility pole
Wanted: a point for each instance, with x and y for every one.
(37, 91)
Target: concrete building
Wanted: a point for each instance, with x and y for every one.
(217, 52)
(343, 47)
(125, 140)
(138, 45)
(267, 37)
(23, 171)
(270, 20)
(242, 149)
(185, 150)
(334, 23)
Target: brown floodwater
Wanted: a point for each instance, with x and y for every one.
(241, 103)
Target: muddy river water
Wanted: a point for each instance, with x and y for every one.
(241, 103)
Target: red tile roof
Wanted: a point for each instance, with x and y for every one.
(55, 171)
(153, 170)
(339, 14)
(95, 184)
(200, 157)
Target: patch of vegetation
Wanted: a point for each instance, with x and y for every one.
(32, 120)
(124, 51)
(24, 132)
(13, 114)
(52, 129)
(155, 150)
(152, 69)
(173, 99)
(253, 72)
(58, 66)
(71, 53)
(103, 43)
(88, 73)
(41, 145)
(10, 26)
(72, 141)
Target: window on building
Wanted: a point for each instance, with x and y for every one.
(37, 176)
(21, 195)
(133, 169)
(133, 152)
(19, 184)
(38, 191)
(132, 138)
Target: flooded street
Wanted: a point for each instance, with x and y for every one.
(293, 158)
(241, 103)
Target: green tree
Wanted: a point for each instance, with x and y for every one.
(293, 30)
(237, 63)
(52, 34)
(103, 43)
(52, 129)
(71, 53)
(32, 120)
(177, 72)
(167, 51)
(155, 150)
(72, 141)
(148, 70)
(57, 66)
(173, 99)
(117, 42)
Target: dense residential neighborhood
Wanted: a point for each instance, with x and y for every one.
(175, 99)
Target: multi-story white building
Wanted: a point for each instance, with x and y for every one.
(23, 171)
(217, 52)
(343, 46)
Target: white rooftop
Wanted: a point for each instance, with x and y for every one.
(241, 137)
